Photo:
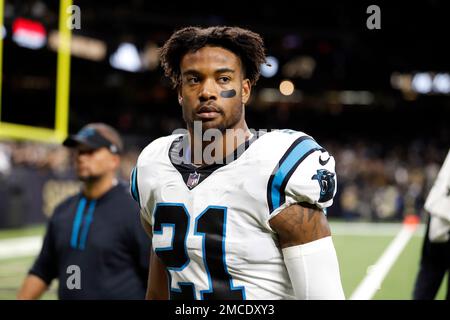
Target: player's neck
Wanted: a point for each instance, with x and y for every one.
(220, 147)
(96, 188)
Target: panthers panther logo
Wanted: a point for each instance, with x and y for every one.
(327, 184)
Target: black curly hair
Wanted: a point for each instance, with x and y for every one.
(246, 44)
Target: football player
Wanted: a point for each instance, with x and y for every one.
(235, 215)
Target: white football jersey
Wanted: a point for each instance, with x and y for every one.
(211, 224)
(438, 205)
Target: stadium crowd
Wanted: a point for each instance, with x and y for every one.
(376, 182)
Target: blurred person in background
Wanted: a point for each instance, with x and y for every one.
(96, 232)
(435, 260)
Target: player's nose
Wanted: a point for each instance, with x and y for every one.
(208, 91)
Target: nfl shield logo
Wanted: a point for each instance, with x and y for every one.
(193, 180)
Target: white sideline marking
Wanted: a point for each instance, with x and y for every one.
(376, 273)
(20, 247)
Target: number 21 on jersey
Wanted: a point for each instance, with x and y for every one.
(211, 226)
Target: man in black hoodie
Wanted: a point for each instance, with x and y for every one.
(94, 245)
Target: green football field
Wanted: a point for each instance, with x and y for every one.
(358, 245)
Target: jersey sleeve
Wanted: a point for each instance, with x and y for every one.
(144, 178)
(136, 194)
(134, 189)
(438, 200)
(305, 173)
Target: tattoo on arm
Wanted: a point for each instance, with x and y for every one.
(299, 224)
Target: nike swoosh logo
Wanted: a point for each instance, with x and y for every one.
(324, 162)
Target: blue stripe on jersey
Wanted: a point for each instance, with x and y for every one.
(77, 222)
(134, 186)
(86, 225)
(296, 153)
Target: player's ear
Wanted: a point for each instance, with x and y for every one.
(246, 90)
(115, 163)
(180, 97)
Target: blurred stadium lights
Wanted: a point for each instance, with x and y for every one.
(81, 46)
(126, 58)
(422, 82)
(299, 67)
(270, 68)
(286, 87)
(401, 81)
(441, 83)
(28, 33)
